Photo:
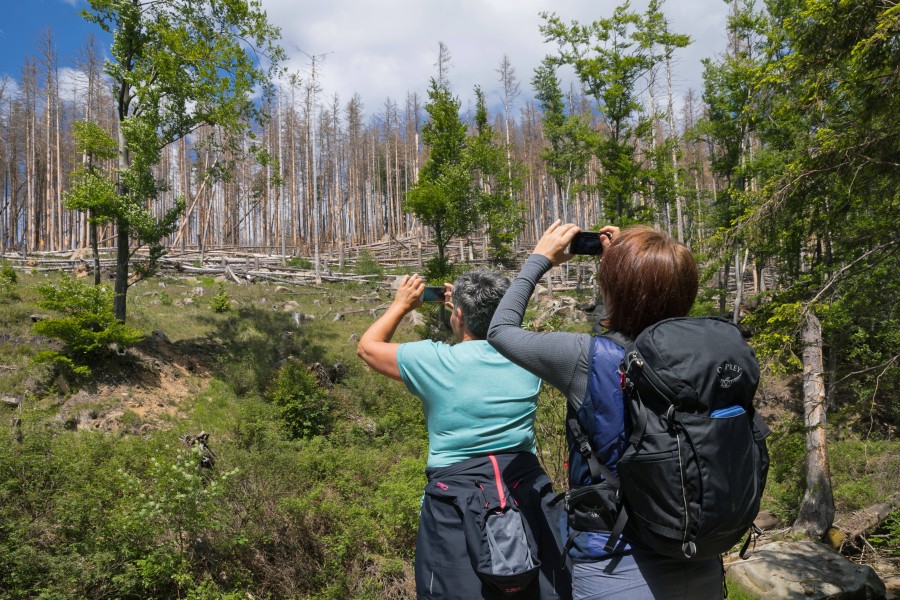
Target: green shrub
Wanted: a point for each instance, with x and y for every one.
(366, 264)
(887, 536)
(87, 326)
(305, 408)
(298, 262)
(220, 303)
(863, 472)
(8, 280)
(7, 273)
(165, 299)
(787, 470)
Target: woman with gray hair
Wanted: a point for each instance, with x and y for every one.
(479, 410)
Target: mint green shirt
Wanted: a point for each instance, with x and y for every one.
(475, 401)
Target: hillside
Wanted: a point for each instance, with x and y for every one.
(102, 495)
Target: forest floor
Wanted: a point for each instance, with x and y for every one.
(187, 346)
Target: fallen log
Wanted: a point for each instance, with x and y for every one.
(848, 528)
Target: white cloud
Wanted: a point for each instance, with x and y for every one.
(386, 49)
(9, 87)
(72, 83)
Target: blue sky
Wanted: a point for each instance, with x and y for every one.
(23, 22)
(388, 48)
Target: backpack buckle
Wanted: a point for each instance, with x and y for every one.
(584, 447)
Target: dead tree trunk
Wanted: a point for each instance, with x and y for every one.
(817, 509)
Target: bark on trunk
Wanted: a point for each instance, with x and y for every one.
(95, 251)
(817, 509)
(121, 285)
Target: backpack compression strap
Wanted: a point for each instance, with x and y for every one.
(598, 469)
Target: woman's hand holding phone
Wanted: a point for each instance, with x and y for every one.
(409, 292)
(556, 240)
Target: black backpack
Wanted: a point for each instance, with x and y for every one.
(693, 472)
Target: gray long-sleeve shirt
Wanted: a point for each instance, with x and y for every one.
(559, 358)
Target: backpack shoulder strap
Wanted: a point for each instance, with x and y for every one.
(619, 339)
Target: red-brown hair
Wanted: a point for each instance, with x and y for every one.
(646, 277)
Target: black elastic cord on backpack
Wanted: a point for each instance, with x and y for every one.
(752, 535)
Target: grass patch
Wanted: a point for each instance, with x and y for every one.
(737, 592)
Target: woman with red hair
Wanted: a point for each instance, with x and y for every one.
(646, 276)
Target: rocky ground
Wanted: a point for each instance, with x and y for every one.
(141, 390)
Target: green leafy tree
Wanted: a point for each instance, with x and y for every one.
(609, 57)
(495, 180)
(441, 197)
(92, 190)
(176, 65)
(729, 127)
(220, 303)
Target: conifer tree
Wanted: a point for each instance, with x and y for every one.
(441, 197)
(495, 179)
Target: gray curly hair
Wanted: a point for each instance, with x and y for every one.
(478, 293)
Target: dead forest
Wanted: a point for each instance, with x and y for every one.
(337, 171)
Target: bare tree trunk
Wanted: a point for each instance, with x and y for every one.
(312, 173)
(739, 268)
(678, 197)
(817, 508)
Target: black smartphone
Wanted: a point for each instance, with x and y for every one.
(587, 242)
(433, 293)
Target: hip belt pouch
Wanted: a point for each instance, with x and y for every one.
(500, 544)
(592, 507)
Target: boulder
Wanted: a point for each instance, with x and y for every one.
(417, 319)
(800, 569)
(160, 336)
(892, 584)
(765, 520)
(563, 306)
(10, 401)
(300, 318)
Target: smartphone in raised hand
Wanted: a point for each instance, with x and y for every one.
(588, 242)
(433, 293)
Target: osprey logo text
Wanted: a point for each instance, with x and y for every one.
(729, 375)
